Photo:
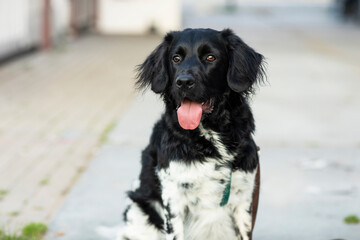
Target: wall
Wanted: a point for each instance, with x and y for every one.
(22, 21)
(16, 25)
(138, 16)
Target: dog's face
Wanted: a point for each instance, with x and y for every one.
(198, 64)
(194, 67)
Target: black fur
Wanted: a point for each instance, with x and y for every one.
(229, 81)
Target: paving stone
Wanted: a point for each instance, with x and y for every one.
(55, 106)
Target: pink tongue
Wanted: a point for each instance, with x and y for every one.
(189, 114)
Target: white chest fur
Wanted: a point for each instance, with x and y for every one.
(194, 191)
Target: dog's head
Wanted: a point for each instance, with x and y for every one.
(192, 68)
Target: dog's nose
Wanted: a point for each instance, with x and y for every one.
(185, 81)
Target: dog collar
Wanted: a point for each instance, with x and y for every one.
(226, 192)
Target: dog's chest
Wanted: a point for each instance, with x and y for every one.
(196, 190)
(193, 192)
(195, 183)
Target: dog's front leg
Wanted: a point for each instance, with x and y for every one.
(174, 225)
(245, 211)
(174, 210)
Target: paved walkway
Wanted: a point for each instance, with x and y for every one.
(94, 207)
(56, 108)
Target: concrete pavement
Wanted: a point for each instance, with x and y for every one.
(56, 108)
(93, 210)
(306, 126)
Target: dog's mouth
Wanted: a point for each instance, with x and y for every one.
(189, 113)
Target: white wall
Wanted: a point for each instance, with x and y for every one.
(14, 25)
(21, 23)
(138, 16)
(60, 10)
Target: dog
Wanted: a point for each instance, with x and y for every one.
(200, 175)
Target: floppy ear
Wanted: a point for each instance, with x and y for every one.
(154, 70)
(245, 65)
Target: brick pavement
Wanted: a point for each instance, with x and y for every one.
(55, 107)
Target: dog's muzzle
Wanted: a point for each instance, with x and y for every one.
(185, 81)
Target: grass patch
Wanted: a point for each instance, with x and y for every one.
(4, 236)
(13, 214)
(352, 219)
(104, 135)
(80, 169)
(3, 192)
(32, 231)
(44, 182)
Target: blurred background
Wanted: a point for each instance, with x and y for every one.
(72, 127)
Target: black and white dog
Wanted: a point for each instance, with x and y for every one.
(200, 172)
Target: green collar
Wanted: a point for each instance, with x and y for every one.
(226, 192)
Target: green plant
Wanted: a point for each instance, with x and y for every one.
(4, 236)
(3, 192)
(352, 219)
(34, 231)
(44, 182)
(13, 214)
(104, 134)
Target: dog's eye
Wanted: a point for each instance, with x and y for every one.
(210, 58)
(176, 58)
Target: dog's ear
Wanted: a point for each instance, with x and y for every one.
(154, 70)
(245, 65)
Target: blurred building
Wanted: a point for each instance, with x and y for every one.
(138, 16)
(30, 24)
